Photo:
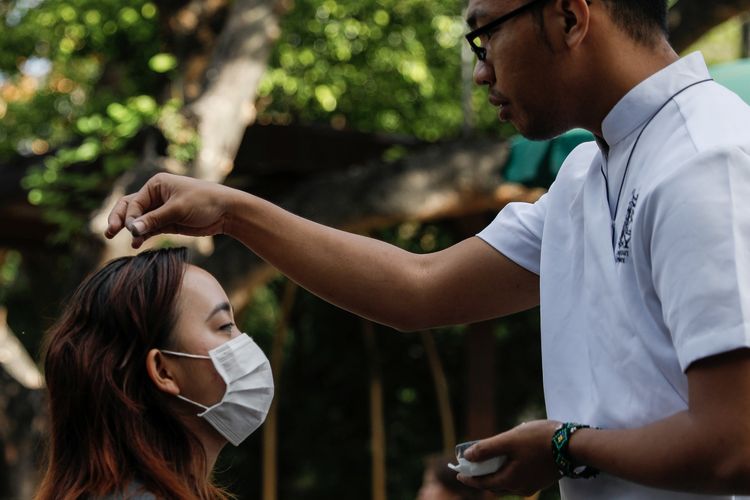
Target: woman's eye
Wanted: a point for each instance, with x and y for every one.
(227, 327)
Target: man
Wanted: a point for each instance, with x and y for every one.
(639, 254)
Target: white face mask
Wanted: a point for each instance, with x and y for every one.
(247, 374)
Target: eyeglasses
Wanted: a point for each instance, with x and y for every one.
(475, 37)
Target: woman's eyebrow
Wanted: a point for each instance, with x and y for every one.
(224, 306)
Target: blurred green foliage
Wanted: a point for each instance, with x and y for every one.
(384, 65)
(722, 43)
(10, 264)
(70, 62)
(81, 79)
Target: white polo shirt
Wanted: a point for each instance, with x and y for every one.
(625, 313)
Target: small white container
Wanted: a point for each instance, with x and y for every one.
(475, 468)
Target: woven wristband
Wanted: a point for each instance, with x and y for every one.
(566, 466)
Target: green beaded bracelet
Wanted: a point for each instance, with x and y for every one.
(560, 442)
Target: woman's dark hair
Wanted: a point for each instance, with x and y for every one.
(110, 425)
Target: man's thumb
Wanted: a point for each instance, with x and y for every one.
(154, 221)
(138, 227)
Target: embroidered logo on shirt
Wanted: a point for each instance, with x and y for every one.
(623, 244)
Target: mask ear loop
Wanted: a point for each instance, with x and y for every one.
(205, 408)
(186, 355)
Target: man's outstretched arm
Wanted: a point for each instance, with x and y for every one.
(467, 282)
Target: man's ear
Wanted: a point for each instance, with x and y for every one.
(573, 17)
(160, 373)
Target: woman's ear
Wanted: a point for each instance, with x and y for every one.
(160, 373)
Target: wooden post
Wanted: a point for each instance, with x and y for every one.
(441, 392)
(480, 363)
(270, 429)
(377, 420)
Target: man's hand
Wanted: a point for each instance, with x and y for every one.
(172, 204)
(529, 466)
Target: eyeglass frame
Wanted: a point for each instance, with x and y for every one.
(481, 52)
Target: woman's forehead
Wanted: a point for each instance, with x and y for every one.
(200, 289)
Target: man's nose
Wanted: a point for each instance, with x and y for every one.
(484, 74)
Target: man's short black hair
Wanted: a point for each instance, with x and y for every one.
(641, 19)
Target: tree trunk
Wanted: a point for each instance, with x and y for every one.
(223, 110)
(226, 108)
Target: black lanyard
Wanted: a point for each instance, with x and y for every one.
(630, 157)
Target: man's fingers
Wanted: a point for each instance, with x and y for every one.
(116, 218)
(150, 198)
(486, 449)
(165, 204)
(168, 229)
(156, 221)
(140, 239)
(137, 242)
(137, 206)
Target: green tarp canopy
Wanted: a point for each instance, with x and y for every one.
(735, 76)
(536, 163)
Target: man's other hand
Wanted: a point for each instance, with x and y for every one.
(529, 466)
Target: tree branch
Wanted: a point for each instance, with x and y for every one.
(15, 359)
(691, 19)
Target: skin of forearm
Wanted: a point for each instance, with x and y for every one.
(377, 280)
(683, 452)
(328, 262)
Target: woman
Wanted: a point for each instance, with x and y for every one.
(148, 378)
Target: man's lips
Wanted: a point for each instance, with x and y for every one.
(503, 106)
(496, 100)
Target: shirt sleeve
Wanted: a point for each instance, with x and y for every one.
(700, 253)
(516, 232)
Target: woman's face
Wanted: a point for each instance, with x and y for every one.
(204, 321)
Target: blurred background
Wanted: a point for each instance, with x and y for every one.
(360, 115)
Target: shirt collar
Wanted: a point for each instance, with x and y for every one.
(644, 99)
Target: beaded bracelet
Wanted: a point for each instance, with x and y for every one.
(560, 442)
